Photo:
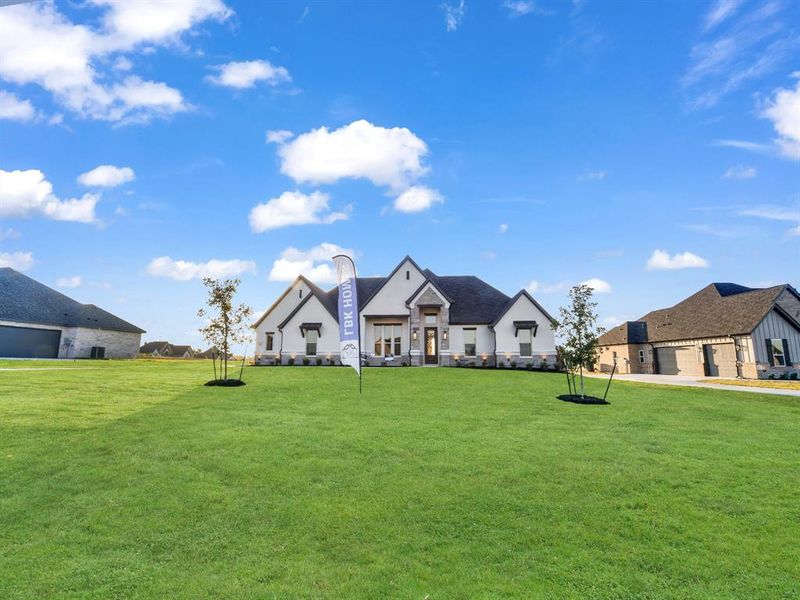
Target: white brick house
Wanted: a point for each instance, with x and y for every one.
(412, 316)
(38, 322)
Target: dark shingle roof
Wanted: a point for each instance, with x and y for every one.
(719, 309)
(151, 347)
(630, 332)
(181, 350)
(473, 301)
(26, 300)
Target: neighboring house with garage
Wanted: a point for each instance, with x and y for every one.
(413, 316)
(724, 330)
(36, 321)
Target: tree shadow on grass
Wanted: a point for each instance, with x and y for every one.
(575, 399)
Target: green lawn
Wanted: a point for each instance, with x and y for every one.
(131, 479)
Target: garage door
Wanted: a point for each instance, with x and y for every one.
(679, 360)
(26, 342)
(720, 360)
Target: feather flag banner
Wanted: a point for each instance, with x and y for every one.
(349, 334)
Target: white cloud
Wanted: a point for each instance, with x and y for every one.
(314, 263)
(293, 208)
(28, 193)
(106, 176)
(9, 234)
(184, 270)
(784, 112)
(743, 145)
(598, 285)
(740, 172)
(611, 321)
(755, 44)
(503, 227)
(19, 261)
(547, 288)
(593, 176)
(14, 109)
(386, 157)
(453, 14)
(519, 8)
(68, 282)
(41, 46)
(660, 261)
(417, 198)
(775, 213)
(246, 74)
(279, 136)
(720, 11)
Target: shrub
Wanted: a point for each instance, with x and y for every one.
(290, 362)
(501, 365)
(305, 361)
(513, 364)
(784, 376)
(319, 362)
(543, 364)
(771, 376)
(529, 365)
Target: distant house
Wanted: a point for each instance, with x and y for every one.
(36, 321)
(163, 349)
(414, 317)
(211, 353)
(724, 330)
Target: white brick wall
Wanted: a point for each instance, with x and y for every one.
(118, 344)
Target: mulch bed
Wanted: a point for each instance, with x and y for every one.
(225, 382)
(577, 399)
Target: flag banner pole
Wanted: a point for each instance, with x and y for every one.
(349, 320)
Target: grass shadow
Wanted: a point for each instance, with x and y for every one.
(581, 399)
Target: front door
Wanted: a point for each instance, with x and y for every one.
(431, 346)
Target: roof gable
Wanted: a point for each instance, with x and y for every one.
(395, 272)
(524, 294)
(292, 286)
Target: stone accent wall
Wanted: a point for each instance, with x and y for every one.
(430, 302)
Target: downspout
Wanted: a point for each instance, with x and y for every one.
(494, 337)
(280, 350)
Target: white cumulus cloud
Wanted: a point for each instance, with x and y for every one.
(184, 270)
(279, 136)
(783, 110)
(293, 208)
(246, 74)
(503, 227)
(42, 46)
(68, 282)
(417, 198)
(106, 176)
(315, 263)
(547, 288)
(28, 193)
(453, 14)
(385, 156)
(19, 261)
(661, 261)
(14, 109)
(598, 285)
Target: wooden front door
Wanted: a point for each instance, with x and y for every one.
(431, 345)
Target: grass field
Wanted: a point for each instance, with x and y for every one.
(132, 480)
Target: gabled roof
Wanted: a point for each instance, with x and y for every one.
(429, 281)
(513, 301)
(719, 309)
(407, 258)
(282, 296)
(630, 332)
(25, 300)
(179, 350)
(151, 347)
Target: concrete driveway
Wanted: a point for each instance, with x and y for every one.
(706, 382)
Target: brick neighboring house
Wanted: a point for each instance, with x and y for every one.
(725, 330)
(414, 317)
(36, 321)
(161, 349)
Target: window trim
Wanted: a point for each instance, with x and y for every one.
(781, 354)
(641, 357)
(395, 339)
(315, 342)
(269, 341)
(529, 343)
(474, 344)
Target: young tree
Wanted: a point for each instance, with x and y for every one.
(579, 330)
(227, 324)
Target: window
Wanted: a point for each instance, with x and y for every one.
(778, 354)
(312, 335)
(469, 342)
(641, 356)
(408, 275)
(270, 338)
(430, 319)
(387, 339)
(524, 342)
(300, 293)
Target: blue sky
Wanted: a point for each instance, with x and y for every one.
(648, 147)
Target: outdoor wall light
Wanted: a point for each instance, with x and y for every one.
(414, 335)
(444, 335)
